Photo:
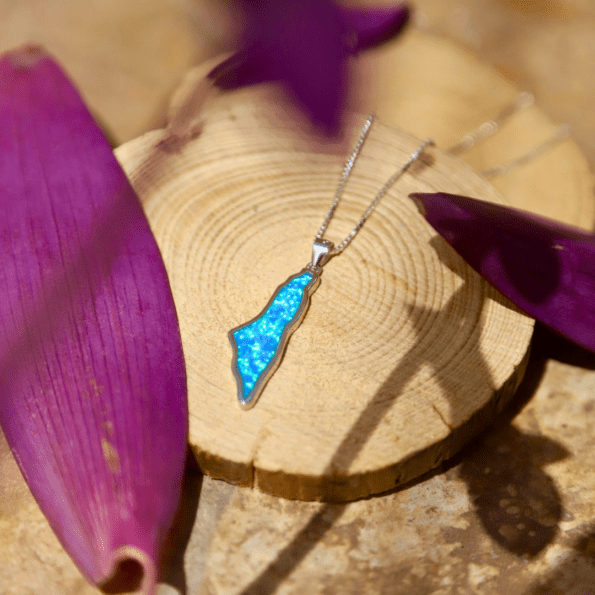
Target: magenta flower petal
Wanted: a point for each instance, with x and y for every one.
(93, 389)
(305, 44)
(544, 267)
(375, 26)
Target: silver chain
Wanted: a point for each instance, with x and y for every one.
(347, 172)
(522, 101)
(561, 133)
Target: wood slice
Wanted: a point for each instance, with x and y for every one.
(405, 353)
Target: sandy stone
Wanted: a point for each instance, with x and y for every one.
(479, 574)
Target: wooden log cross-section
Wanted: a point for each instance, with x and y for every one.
(405, 352)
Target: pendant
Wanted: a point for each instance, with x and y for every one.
(259, 344)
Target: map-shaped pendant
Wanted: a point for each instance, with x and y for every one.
(259, 345)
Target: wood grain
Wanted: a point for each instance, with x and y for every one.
(405, 353)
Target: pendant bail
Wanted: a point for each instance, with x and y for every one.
(322, 250)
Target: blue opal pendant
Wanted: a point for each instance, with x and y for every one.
(259, 344)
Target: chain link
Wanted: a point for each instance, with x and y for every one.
(522, 101)
(347, 172)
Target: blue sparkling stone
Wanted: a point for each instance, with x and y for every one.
(259, 341)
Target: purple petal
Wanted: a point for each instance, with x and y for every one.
(544, 267)
(305, 44)
(93, 391)
(242, 69)
(298, 42)
(375, 26)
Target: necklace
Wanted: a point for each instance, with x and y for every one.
(259, 344)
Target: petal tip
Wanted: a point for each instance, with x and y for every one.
(27, 56)
(416, 198)
(132, 570)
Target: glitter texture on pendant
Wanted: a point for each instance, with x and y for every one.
(260, 344)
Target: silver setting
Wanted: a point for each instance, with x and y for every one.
(322, 250)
